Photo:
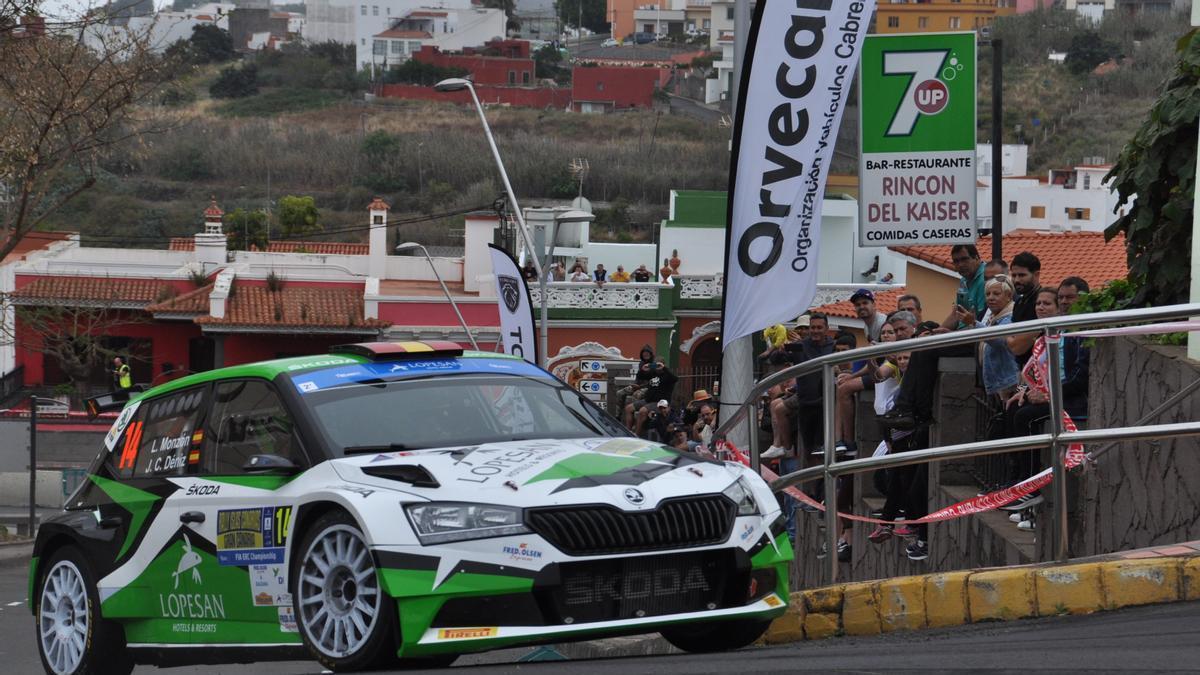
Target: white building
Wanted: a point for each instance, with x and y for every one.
(1014, 159)
(1075, 199)
(402, 33)
(1092, 10)
(162, 29)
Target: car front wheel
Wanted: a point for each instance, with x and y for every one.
(72, 638)
(345, 619)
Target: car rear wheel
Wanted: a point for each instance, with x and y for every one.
(345, 619)
(720, 636)
(72, 638)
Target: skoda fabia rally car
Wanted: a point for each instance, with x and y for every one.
(393, 502)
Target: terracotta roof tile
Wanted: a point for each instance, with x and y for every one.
(378, 205)
(318, 247)
(1062, 254)
(117, 292)
(885, 301)
(298, 307)
(321, 247)
(192, 302)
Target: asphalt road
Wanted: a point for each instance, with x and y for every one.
(1164, 638)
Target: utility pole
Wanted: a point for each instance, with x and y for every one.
(997, 155)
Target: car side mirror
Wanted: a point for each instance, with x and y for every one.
(270, 464)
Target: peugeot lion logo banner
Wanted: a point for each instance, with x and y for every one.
(516, 312)
(799, 65)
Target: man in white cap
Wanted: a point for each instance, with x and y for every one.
(661, 420)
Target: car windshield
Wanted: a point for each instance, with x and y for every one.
(450, 410)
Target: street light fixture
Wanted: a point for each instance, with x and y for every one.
(412, 246)
(458, 84)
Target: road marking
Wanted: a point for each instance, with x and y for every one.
(14, 604)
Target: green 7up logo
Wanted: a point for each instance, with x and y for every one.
(925, 94)
(918, 93)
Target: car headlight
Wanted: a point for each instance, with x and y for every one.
(443, 522)
(740, 493)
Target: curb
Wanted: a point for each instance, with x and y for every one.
(972, 596)
(16, 553)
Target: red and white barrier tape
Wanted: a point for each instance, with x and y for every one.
(979, 504)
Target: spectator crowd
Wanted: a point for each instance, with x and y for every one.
(600, 276)
(1013, 373)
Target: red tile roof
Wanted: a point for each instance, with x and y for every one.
(318, 247)
(213, 211)
(115, 292)
(1062, 254)
(885, 301)
(192, 302)
(295, 307)
(35, 241)
(378, 205)
(426, 13)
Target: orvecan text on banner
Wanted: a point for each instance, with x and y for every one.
(799, 65)
(517, 335)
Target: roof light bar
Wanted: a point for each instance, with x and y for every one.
(390, 351)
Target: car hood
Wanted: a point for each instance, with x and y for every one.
(630, 472)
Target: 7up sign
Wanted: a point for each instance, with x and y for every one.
(917, 127)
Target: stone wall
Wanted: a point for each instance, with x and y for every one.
(1142, 493)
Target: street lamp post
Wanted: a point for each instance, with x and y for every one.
(412, 245)
(458, 84)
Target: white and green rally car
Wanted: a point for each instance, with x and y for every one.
(393, 502)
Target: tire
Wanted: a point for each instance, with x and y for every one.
(720, 636)
(72, 637)
(346, 620)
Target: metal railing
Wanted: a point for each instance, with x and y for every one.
(1056, 438)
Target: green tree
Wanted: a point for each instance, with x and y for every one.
(210, 44)
(298, 216)
(593, 12)
(1088, 50)
(244, 227)
(548, 64)
(1155, 176)
(235, 82)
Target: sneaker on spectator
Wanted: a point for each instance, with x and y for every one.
(851, 449)
(843, 552)
(1023, 502)
(918, 550)
(1025, 525)
(904, 531)
(773, 452)
(881, 534)
(819, 450)
(840, 446)
(1015, 517)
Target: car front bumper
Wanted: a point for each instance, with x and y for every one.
(478, 607)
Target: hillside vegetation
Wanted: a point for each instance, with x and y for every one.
(297, 126)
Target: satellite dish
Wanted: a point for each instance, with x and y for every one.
(581, 204)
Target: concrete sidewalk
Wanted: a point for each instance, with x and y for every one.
(1140, 577)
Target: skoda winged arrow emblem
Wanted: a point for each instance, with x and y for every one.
(510, 292)
(634, 496)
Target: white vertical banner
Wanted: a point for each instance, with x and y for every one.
(799, 66)
(516, 312)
